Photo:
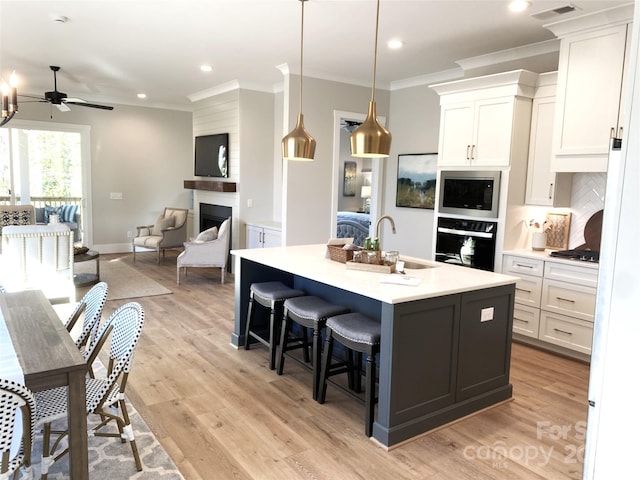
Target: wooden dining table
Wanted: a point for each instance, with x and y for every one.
(49, 358)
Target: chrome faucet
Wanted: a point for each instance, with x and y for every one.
(388, 217)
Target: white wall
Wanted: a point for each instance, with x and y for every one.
(144, 153)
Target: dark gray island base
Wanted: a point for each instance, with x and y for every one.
(442, 357)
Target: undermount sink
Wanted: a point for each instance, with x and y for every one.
(415, 265)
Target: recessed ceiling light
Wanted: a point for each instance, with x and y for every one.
(395, 44)
(519, 5)
(142, 95)
(206, 68)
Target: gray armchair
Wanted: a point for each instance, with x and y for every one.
(169, 231)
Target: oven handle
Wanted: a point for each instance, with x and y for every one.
(465, 233)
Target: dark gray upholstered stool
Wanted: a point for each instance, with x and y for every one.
(309, 312)
(272, 296)
(360, 334)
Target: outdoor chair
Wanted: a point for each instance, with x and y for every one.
(15, 453)
(209, 249)
(169, 231)
(105, 395)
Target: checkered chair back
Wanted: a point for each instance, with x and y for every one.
(13, 396)
(92, 305)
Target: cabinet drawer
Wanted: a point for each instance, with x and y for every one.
(522, 265)
(566, 331)
(526, 320)
(571, 273)
(529, 290)
(574, 300)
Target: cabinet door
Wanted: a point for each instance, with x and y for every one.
(456, 132)
(271, 238)
(254, 236)
(590, 72)
(545, 187)
(492, 132)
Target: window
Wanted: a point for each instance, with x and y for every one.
(45, 164)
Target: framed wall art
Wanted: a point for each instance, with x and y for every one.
(349, 182)
(557, 228)
(416, 186)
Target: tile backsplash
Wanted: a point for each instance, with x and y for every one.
(587, 197)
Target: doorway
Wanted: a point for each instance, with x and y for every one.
(350, 175)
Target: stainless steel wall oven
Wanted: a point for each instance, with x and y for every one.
(471, 243)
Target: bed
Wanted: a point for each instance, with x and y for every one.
(353, 224)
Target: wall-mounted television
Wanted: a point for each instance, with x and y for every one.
(211, 155)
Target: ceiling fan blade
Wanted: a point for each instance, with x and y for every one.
(84, 103)
(62, 107)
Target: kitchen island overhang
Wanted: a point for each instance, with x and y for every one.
(445, 345)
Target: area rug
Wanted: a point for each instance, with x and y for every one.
(113, 460)
(108, 457)
(124, 281)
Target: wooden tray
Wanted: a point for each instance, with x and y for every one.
(368, 267)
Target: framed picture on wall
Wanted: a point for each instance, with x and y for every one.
(416, 186)
(349, 182)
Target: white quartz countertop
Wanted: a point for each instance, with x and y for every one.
(545, 255)
(440, 279)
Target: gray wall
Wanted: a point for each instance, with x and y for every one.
(414, 122)
(144, 153)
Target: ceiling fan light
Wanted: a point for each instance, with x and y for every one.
(371, 139)
(299, 144)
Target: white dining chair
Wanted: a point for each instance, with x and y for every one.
(105, 395)
(14, 396)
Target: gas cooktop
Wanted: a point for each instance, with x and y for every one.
(580, 255)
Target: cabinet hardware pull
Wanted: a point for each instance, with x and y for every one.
(473, 153)
(566, 299)
(521, 320)
(468, 149)
(619, 133)
(523, 290)
(550, 190)
(563, 331)
(523, 265)
(613, 132)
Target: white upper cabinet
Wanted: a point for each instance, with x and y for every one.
(484, 121)
(545, 187)
(593, 56)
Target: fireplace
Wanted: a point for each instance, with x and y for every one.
(213, 216)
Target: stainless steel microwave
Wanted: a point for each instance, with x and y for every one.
(471, 193)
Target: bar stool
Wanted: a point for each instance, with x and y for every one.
(272, 296)
(309, 312)
(360, 334)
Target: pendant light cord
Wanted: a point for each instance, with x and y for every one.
(301, 50)
(375, 53)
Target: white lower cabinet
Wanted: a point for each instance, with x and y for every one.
(263, 236)
(554, 300)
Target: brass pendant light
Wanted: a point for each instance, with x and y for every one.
(299, 144)
(371, 139)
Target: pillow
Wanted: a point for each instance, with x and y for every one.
(49, 210)
(162, 224)
(208, 235)
(67, 213)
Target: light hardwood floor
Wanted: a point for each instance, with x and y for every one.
(222, 414)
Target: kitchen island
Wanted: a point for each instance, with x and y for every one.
(445, 342)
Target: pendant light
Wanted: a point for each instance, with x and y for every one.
(371, 139)
(298, 144)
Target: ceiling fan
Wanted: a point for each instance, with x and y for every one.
(62, 101)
